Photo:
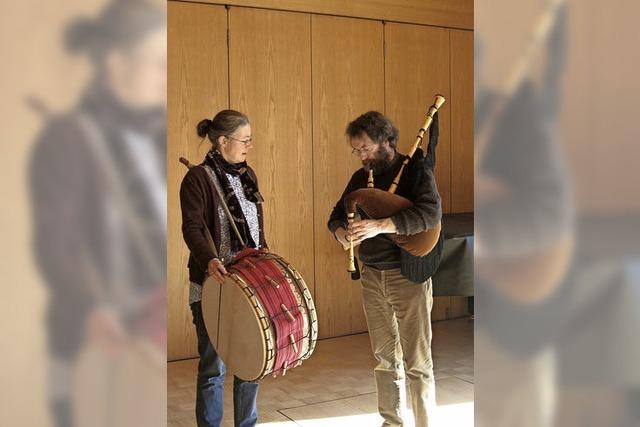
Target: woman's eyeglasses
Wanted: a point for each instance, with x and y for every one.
(245, 141)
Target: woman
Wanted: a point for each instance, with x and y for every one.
(202, 216)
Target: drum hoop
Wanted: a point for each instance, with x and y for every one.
(265, 323)
(303, 289)
(292, 277)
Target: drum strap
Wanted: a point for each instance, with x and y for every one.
(216, 185)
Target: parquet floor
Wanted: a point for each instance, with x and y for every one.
(335, 387)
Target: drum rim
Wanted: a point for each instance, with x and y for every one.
(306, 296)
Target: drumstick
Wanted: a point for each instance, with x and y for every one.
(186, 162)
(189, 165)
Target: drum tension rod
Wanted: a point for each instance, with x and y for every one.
(288, 313)
(273, 282)
(249, 263)
(284, 368)
(293, 342)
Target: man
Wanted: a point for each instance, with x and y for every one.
(398, 310)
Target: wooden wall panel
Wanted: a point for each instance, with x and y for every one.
(197, 50)
(347, 81)
(461, 106)
(301, 78)
(416, 69)
(270, 81)
(445, 308)
(450, 13)
(459, 307)
(441, 308)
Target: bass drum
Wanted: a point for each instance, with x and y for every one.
(261, 320)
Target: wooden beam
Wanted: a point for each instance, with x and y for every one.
(450, 13)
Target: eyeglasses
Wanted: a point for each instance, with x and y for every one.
(245, 142)
(360, 151)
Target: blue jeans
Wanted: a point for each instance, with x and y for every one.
(210, 385)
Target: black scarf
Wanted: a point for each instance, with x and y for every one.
(221, 168)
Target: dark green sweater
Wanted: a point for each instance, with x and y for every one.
(418, 185)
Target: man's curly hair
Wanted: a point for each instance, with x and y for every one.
(376, 126)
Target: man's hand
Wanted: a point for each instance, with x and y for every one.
(216, 270)
(368, 228)
(341, 236)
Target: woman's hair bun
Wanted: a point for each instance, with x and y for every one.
(80, 34)
(203, 127)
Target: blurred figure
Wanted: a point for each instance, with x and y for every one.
(98, 180)
(524, 235)
(557, 290)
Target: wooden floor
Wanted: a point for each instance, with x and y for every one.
(335, 386)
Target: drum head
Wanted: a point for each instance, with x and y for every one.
(233, 325)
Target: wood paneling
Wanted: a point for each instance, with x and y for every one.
(459, 307)
(461, 107)
(416, 69)
(301, 77)
(445, 308)
(347, 81)
(450, 13)
(441, 308)
(270, 81)
(197, 88)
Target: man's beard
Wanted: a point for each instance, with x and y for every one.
(382, 163)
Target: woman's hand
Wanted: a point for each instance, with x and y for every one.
(216, 270)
